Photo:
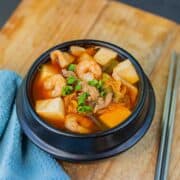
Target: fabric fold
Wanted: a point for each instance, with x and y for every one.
(19, 157)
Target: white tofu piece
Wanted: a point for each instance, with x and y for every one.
(126, 71)
(103, 56)
(51, 109)
(77, 50)
(46, 71)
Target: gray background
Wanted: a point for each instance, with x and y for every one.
(167, 8)
(6, 9)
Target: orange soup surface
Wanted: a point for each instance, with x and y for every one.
(85, 90)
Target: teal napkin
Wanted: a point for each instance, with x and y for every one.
(19, 158)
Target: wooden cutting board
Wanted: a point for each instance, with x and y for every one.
(37, 25)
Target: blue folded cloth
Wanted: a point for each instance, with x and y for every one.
(19, 158)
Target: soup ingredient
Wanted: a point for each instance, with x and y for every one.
(85, 109)
(111, 83)
(108, 68)
(77, 50)
(71, 80)
(96, 83)
(103, 103)
(78, 87)
(104, 56)
(91, 51)
(93, 82)
(82, 105)
(120, 96)
(68, 73)
(114, 115)
(85, 56)
(61, 58)
(126, 71)
(88, 70)
(92, 91)
(54, 84)
(113, 86)
(72, 67)
(67, 90)
(124, 92)
(82, 98)
(79, 124)
(70, 103)
(51, 109)
(103, 93)
(132, 91)
(99, 84)
(47, 70)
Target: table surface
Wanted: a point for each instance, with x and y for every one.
(36, 26)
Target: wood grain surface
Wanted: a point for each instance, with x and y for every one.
(35, 26)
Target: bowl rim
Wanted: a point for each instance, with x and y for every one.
(122, 52)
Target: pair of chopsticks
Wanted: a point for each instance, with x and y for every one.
(168, 118)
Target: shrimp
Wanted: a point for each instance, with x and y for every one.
(54, 85)
(63, 59)
(68, 73)
(78, 124)
(88, 70)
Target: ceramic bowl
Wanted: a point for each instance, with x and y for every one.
(81, 147)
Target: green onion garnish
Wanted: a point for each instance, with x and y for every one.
(84, 109)
(100, 84)
(103, 93)
(71, 80)
(82, 98)
(93, 82)
(72, 67)
(67, 90)
(78, 87)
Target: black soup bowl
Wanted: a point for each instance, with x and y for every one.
(85, 147)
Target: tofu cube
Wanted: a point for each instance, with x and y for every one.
(47, 70)
(103, 56)
(52, 110)
(77, 50)
(126, 71)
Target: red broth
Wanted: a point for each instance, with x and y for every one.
(85, 90)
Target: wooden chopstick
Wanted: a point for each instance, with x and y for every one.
(168, 121)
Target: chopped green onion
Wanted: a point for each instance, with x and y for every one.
(71, 80)
(93, 82)
(100, 84)
(78, 87)
(72, 67)
(96, 83)
(67, 90)
(84, 108)
(82, 98)
(103, 93)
